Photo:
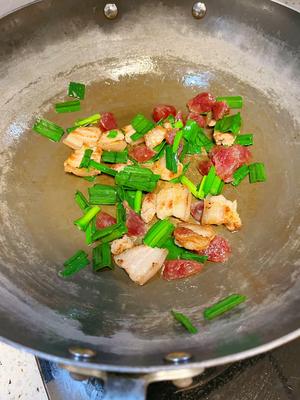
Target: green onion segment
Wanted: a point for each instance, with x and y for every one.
(223, 306)
(159, 233)
(77, 90)
(232, 101)
(85, 162)
(102, 257)
(48, 129)
(67, 106)
(83, 222)
(74, 264)
(257, 172)
(185, 321)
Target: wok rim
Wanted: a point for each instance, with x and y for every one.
(214, 362)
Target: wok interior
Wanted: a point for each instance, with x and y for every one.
(131, 325)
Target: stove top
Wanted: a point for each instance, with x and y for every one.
(271, 376)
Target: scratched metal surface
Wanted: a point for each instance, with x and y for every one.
(128, 68)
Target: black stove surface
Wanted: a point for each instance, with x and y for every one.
(271, 376)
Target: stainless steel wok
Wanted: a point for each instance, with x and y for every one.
(153, 52)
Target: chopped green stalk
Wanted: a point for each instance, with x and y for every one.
(217, 186)
(48, 129)
(223, 306)
(112, 134)
(159, 151)
(159, 233)
(85, 162)
(116, 234)
(83, 222)
(196, 138)
(178, 124)
(74, 264)
(102, 257)
(187, 255)
(115, 157)
(121, 213)
(177, 140)
(88, 121)
(91, 229)
(209, 180)
(257, 172)
(184, 151)
(244, 140)
(192, 188)
(231, 123)
(90, 178)
(185, 321)
(135, 177)
(138, 201)
(201, 194)
(67, 106)
(170, 118)
(171, 159)
(76, 90)
(102, 194)
(232, 101)
(81, 201)
(71, 129)
(101, 233)
(240, 174)
(174, 251)
(141, 125)
(130, 197)
(103, 168)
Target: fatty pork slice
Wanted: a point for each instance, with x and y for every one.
(193, 236)
(116, 143)
(224, 139)
(73, 162)
(128, 132)
(154, 137)
(218, 210)
(118, 246)
(88, 136)
(149, 207)
(159, 168)
(141, 262)
(174, 200)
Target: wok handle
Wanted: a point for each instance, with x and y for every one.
(121, 388)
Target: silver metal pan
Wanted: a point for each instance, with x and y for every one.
(153, 52)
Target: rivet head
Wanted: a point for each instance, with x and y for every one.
(110, 10)
(80, 352)
(199, 10)
(178, 357)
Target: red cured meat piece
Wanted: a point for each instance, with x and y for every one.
(141, 153)
(170, 135)
(201, 121)
(197, 210)
(108, 122)
(218, 250)
(220, 109)
(177, 269)
(162, 111)
(228, 159)
(204, 166)
(134, 223)
(103, 220)
(202, 103)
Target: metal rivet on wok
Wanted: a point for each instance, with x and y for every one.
(178, 357)
(111, 11)
(81, 352)
(199, 9)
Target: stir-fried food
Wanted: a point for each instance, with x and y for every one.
(163, 215)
